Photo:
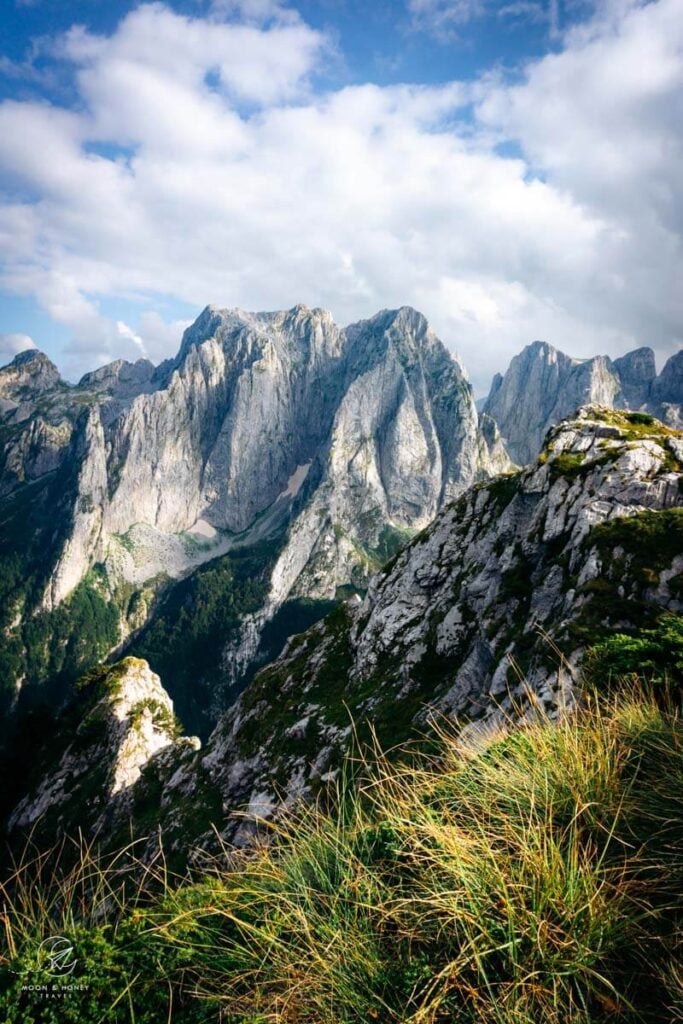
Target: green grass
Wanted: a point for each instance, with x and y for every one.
(534, 875)
(636, 425)
(633, 551)
(653, 654)
(651, 539)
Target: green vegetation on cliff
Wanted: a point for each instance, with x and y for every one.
(184, 643)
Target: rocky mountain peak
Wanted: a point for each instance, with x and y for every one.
(669, 385)
(318, 449)
(297, 328)
(640, 363)
(31, 371)
(486, 613)
(542, 386)
(119, 374)
(485, 616)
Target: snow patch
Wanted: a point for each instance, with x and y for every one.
(296, 480)
(203, 529)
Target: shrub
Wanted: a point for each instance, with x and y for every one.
(652, 654)
(122, 968)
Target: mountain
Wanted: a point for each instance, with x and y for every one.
(486, 614)
(666, 395)
(543, 386)
(191, 513)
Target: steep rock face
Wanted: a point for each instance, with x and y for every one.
(244, 407)
(82, 546)
(496, 456)
(29, 374)
(403, 440)
(667, 392)
(128, 718)
(487, 613)
(636, 372)
(329, 445)
(542, 386)
(33, 436)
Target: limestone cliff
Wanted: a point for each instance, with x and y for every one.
(328, 445)
(543, 386)
(120, 720)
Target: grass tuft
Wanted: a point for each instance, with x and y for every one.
(516, 877)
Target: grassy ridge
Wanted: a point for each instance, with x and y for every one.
(524, 877)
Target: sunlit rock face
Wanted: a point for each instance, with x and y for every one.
(484, 617)
(327, 444)
(123, 719)
(543, 386)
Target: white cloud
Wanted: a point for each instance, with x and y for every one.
(602, 119)
(444, 18)
(532, 9)
(160, 339)
(259, 12)
(12, 344)
(199, 165)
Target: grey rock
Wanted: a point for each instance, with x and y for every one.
(543, 386)
(117, 736)
(666, 399)
(278, 426)
(30, 372)
(636, 373)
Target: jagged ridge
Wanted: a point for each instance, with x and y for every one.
(487, 612)
(327, 445)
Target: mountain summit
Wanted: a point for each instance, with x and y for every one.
(542, 386)
(276, 446)
(198, 513)
(487, 615)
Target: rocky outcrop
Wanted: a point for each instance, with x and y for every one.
(83, 545)
(29, 374)
(543, 386)
(122, 719)
(667, 391)
(483, 616)
(637, 373)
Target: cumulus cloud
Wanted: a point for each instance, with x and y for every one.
(200, 165)
(12, 344)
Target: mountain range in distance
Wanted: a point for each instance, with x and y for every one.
(292, 525)
(268, 470)
(199, 512)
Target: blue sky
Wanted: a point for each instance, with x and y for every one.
(382, 42)
(511, 168)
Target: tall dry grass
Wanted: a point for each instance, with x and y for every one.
(535, 876)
